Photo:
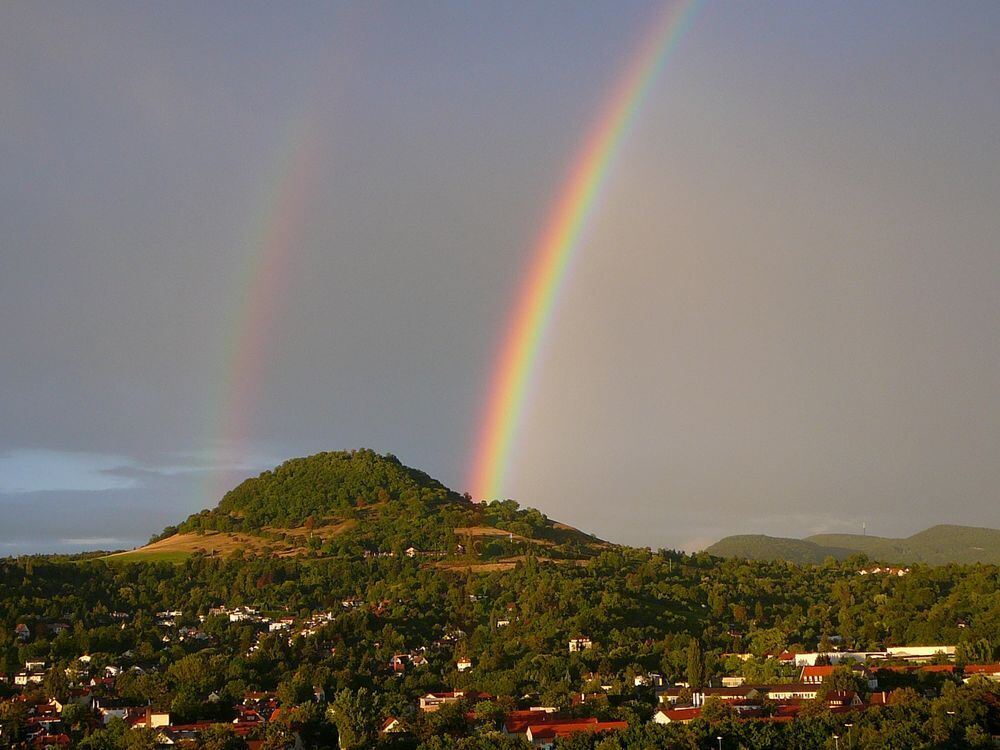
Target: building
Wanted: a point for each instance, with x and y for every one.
(544, 735)
(579, 643)
(433, 701)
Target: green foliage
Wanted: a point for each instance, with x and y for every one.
(356, 716)
(645, 611)
(327, 484)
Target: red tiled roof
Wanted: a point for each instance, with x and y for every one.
(517, 722)
(390, 720)
(43, 740)
(817, 671)
(982, 669)
(683, 714)
(552, 730)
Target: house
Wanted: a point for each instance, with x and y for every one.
(642, 680)
(544, 735)
(392, 725)
(464, 664)
(671, 695)
(677, 715)
(117, 708)
(579, 643)
(21, 632)
(744, 694)
(398, 663)
(810, 659)
(815, 675)
(920, 653)
(518, 721)
(148, 719)
(887, 571)
(433, 701)
(246, 715)
(989, 671)
(244, 614)
(733, 681)
(789, 692)
(79, 695)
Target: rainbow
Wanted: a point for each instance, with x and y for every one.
(556, 247)
(261, 291)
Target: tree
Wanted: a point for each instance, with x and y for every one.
(56, 685)
(494, 712)
(715, 711)
(13, 717)
(74, 714)
(356, 717)
(843, 678)
(221, 737)
(695, 665)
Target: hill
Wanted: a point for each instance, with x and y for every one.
(365, 504)
(761, 547)
(938, 545)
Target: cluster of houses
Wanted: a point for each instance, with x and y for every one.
(884, 570)
(93, 688)
(410, 552)
(781, 702)
(540, 725)
(908, 654)
(45, 728)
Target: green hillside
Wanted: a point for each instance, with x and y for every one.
(938, 545)
(359, 502)
(761, 547)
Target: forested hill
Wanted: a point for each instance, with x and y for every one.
(938, 545)
(364, 503)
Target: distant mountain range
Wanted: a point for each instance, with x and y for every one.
(938, 545)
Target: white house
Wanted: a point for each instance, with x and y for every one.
(579, 643)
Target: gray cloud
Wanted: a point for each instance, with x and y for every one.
(783, 318)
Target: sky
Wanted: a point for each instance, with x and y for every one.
(236, 232)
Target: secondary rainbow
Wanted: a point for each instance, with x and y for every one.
(260, 293)
(556, 247)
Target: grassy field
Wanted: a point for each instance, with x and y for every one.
(179, 547)
(146, 555)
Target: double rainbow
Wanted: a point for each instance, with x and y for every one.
(558, 244)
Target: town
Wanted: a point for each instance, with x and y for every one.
(46, 706)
